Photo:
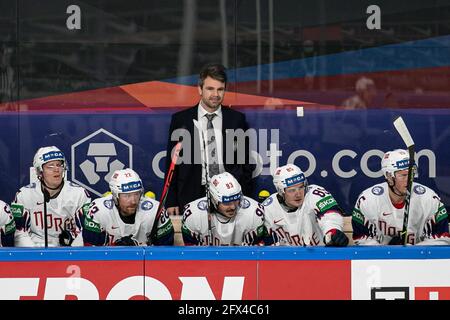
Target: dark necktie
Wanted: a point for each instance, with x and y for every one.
(213, 163)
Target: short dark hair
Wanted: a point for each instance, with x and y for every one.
(214, 70)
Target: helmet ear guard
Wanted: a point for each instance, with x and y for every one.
(287, 176)
(124, 181)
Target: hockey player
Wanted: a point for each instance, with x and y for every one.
(378, 214)
(299, 214)
(125, 217)
(59, 198)
(7, 226)
(234, 219)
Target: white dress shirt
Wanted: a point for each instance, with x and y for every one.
(217, 123)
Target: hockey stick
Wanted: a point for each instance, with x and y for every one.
(400, 125)
(46, 200)
(165, 191)
(208, 195)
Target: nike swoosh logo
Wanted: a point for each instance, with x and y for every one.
(39, 203)
(387, 214)
(114, 227)
(276, 221)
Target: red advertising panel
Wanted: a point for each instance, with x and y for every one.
(206, 279)
(160, 274)
(55, 280)
(304, 280)
(432, 293)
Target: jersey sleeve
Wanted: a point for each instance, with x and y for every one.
(93, 233)
(329, 214)
(84, 203)
(8, 226)
(271, 237)
(22, 222)
(436, 231)
(364, 231)
(164, 235)
(79, 222)
(189, 230)
(257, 232)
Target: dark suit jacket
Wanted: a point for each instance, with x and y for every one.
(186, 185)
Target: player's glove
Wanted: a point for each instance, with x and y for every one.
(395, 241)
(93, 238)
(335, 238)
(65, 238)
(126, 241)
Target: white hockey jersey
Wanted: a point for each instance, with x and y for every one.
(62, 214)
(307, 225)
(103, 218)
(245, 228)
(376, 221)
(7, 225)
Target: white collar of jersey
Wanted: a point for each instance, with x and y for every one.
(224, 220)
(286, 207)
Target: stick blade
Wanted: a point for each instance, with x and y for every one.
(400, 126)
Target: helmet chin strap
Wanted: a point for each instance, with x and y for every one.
(116, 203)
(50, 188)
(393, 189)
(216, 210)
(225, 218)
(284, 205)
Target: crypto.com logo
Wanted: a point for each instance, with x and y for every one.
(96, 157)
(265, 153)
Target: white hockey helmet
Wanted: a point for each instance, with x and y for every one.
(394, 161)
(287, 176)
(224, 188)
(47, 154)
(125, 181)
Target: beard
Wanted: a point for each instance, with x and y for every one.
(212, 103)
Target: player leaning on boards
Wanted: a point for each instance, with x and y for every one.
(378, 213)
(53, 197)
(125, 217)
(300, 214)
(230, 218)
(7, 226)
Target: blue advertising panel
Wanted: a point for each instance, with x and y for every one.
(339, 150)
